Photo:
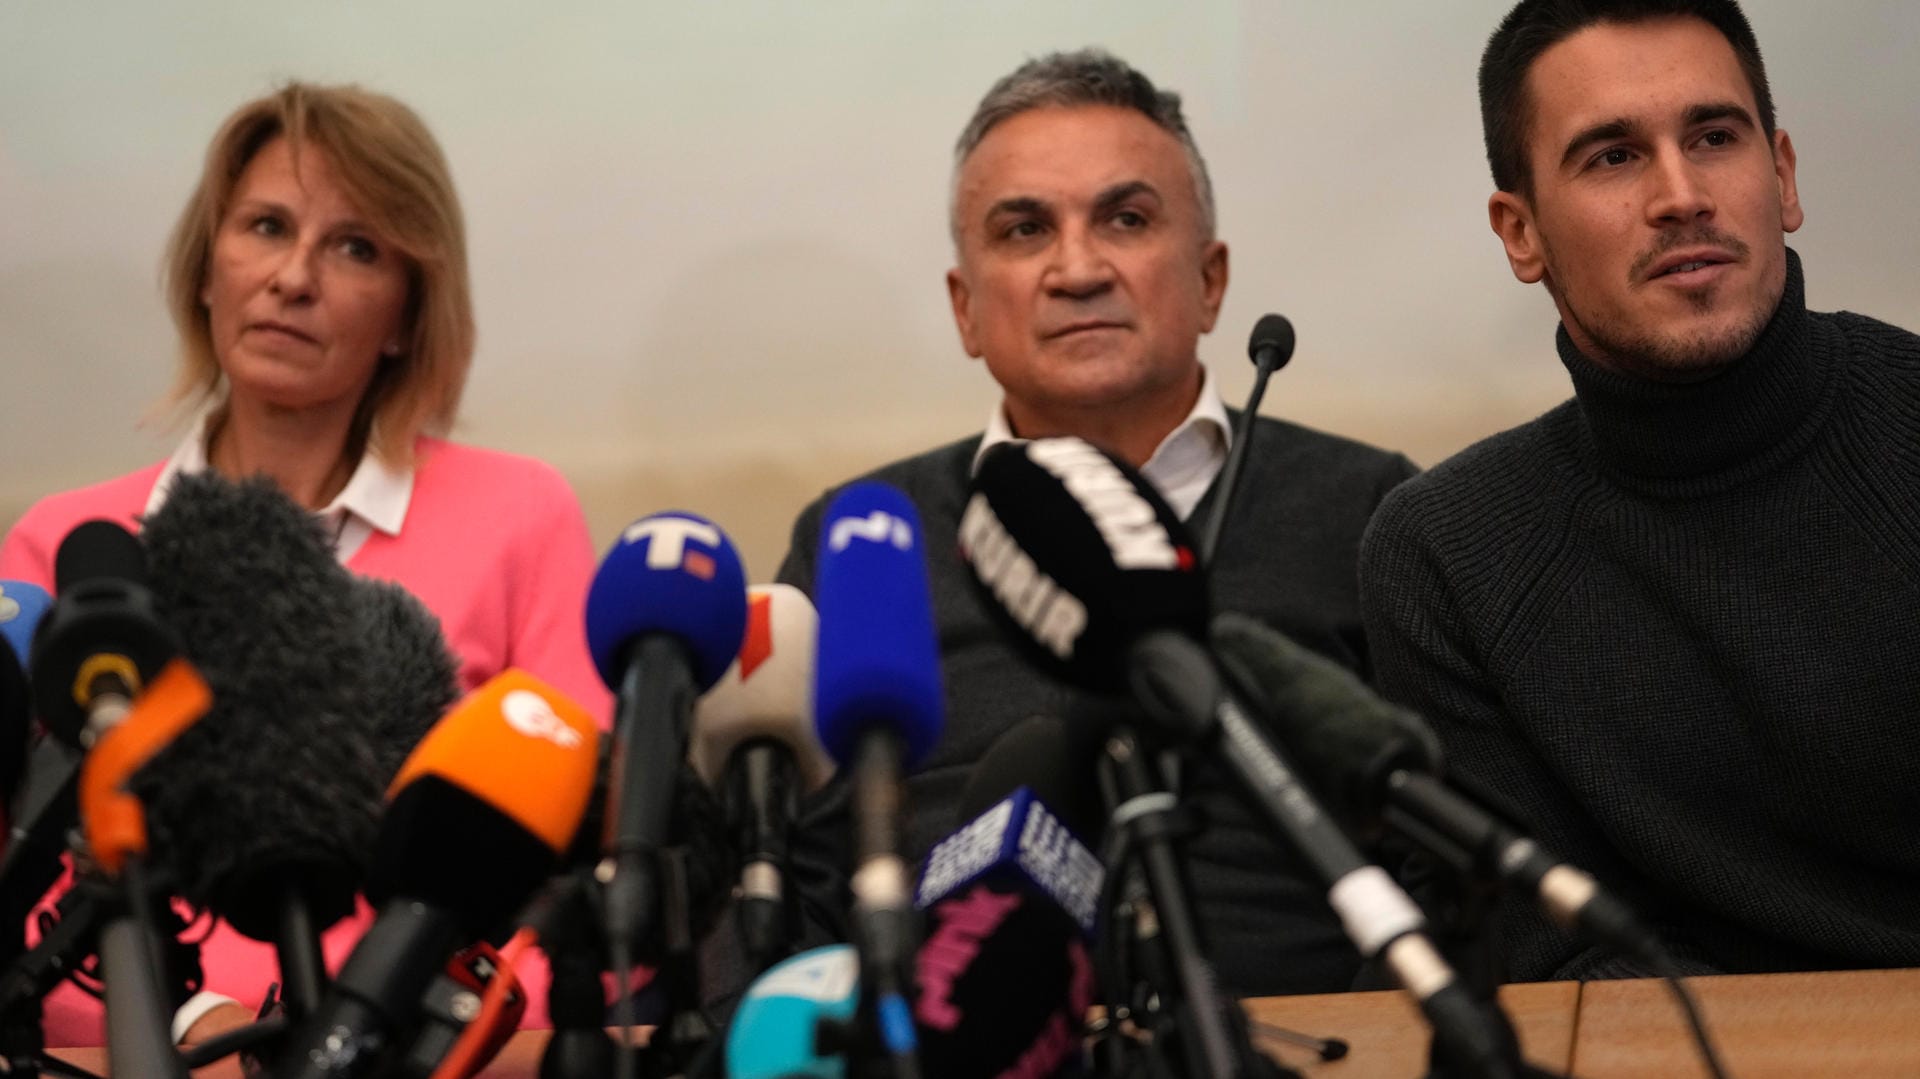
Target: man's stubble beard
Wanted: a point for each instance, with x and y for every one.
(1670, 357)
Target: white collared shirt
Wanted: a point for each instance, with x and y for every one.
(1185, 463)
(375, 497)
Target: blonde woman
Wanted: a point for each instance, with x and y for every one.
(318, 279)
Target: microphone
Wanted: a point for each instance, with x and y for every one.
(95, 651)
(878, 706)
(792, 1020)
(1377, 759)
(665, 616)
(138, 1010)
(22, 606)
(266, 811)
(478, 817)
(753, 739)
(1270, 347)
(1096, 533)
(102, 639)
(1012, 897)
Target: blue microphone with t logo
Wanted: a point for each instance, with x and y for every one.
(665, 617)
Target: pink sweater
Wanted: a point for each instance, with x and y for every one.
(496, 547)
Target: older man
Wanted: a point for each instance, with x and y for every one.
(1087, 271)
(1675, 617)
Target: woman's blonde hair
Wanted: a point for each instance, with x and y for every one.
(394, 173)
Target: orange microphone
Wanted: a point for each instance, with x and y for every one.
(115, 825)
(111, 817)
(477, 819)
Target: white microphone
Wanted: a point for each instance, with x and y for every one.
(753, 742)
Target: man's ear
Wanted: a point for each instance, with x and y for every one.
(1213, 282)
(960, 294)
(1511, 217)
(1784, 163)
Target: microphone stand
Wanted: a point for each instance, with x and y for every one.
(31, 866)
(1462, 904)
(580, 1047)
(139, 1016)
(885, 1043)
(684, 1045)
(1145, 821)
(764, 911)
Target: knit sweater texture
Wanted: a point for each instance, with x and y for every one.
(1287, 554)
(1676, 624)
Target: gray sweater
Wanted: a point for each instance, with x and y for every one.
(1677, 625)
(1287, 555)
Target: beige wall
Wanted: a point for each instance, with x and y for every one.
(708, 239)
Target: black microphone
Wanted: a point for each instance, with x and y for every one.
(1057, 532)
(1089, 527)
(266, 811)
(1270, 347)
(1012, 897)
(1376, 758)
(102, 639)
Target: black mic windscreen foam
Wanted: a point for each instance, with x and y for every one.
(1273, 333)
(1079, 557)
(1343, 735)
(409, 674)
(282, 783)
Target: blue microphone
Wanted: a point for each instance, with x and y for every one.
(878, 706)
(21, 607)
(878, 662)
(775, 1033)
(670, 575)
(665, 616)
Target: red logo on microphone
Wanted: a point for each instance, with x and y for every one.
(758, 644)
(698, 564)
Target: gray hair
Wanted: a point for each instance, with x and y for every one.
(1084, 77)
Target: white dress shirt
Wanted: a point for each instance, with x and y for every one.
(1181, 468)
(375, 497)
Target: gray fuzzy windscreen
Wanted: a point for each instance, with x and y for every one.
(322, 683)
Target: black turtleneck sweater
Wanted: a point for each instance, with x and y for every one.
(1679, 626)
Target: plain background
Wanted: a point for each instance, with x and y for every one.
(708, 239)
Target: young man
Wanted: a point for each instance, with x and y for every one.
(1087, 271)
(1674, 618)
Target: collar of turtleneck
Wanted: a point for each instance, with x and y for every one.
(1751, 417)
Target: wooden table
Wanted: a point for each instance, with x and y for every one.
(1387, 1037)
(1849, 1024)
(1860, 1024)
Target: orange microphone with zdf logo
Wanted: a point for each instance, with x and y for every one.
(476, 820)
